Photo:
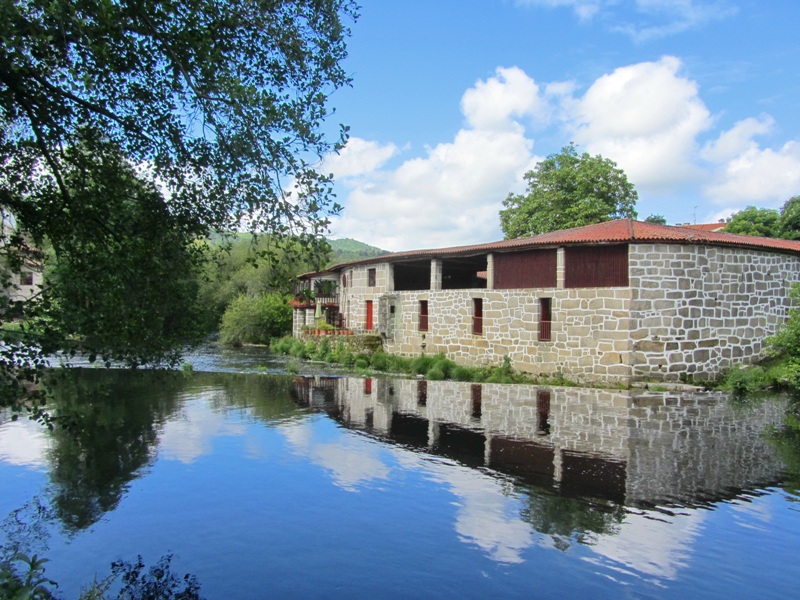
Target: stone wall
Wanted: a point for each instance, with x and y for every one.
(590, 339)
(698, 310)
(686, 448)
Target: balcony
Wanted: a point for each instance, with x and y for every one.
(311, 301)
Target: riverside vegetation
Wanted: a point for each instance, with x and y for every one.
(364, 355)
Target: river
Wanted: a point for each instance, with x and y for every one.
(263, 485)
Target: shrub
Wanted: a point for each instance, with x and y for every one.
(444, 364)
(323, 350)
(463, 374)
(435, 373)
(255, 319)
(380, 361)
(421, 364)
(281, 345)
(309, 348)
(297, 349)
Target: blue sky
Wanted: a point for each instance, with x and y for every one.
(454, 100)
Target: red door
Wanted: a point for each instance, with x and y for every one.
(368, 326)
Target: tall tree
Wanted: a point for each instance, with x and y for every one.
(128, 124)
(789, 223)
(762, 222)
(568, 189)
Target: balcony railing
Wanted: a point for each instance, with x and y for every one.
(545, 331)
(311, 301)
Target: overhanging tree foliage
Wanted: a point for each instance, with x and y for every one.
(130, 129)
(568, 189)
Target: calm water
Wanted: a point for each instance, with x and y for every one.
(273, 486)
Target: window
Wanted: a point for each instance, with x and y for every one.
(423, 315)
(344, 280)
(545, 319)
(477, 316)
(369, 324)
(26, 278)
(371, 277)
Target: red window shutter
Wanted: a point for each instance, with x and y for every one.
(596, 266)
(522, 270)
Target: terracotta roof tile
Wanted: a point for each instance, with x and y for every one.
(609, 232)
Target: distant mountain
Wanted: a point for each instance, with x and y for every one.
(347, 250)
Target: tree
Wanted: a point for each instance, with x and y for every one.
(568, 190)
(234, 271)
(762, 222)
(144, 125)
(657, 219)
(256, 319)
(789, 223)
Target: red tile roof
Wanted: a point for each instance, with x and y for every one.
(610, 232)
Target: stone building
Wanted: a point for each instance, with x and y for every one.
(619, 302)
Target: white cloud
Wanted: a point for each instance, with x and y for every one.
(492, 104)
(745, 173)
(646, 117)
(584, 9)
(644, 20)
(358, 157)
(737, 140)
(761, 176)
(452, 195)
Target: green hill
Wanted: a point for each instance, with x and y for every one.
(347, 250)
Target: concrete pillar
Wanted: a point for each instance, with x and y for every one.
(560, 268)
(490, 271)
(390, 277)
(436, 274)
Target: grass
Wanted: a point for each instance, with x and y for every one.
(436, 367)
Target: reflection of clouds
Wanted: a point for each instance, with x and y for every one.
(751, 513)
(187, 435)
(651, 543)
(23, 443)
(487, 517)
(351, 461)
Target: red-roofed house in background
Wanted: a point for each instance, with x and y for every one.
(622, 301)
(708, 226)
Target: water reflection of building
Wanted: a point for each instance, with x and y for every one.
(633, 447)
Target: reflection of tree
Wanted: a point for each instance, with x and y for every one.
(116, 416)
(566, 518)
(787, 442)
(26, 530)
(267, 398)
